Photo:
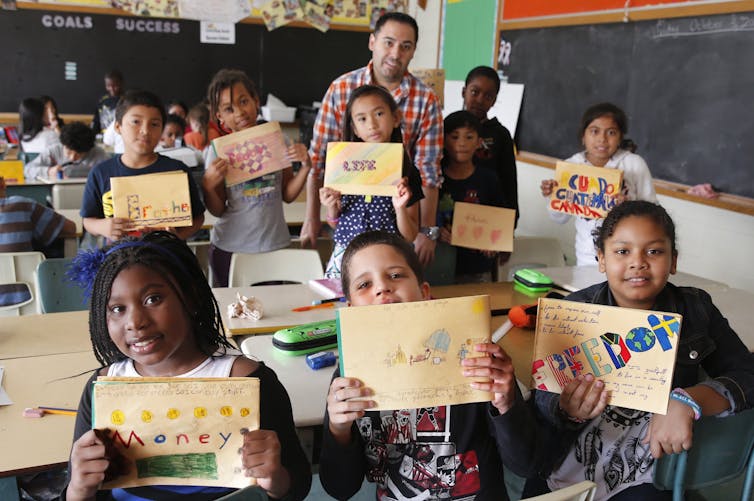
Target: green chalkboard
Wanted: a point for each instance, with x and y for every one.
(470, 24)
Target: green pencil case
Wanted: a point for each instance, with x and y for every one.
(532, 280)
(306, 338)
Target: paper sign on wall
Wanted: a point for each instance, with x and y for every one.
(364, 168)
(253, 152)
(435, 79)
(584, 190)
(632, 351)
(483, 227)
(177, 431)
(417, 364)
(153, 200)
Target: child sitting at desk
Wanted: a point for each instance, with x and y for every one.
(22, 222)
(74, 156)
(138, 118)
(602, 130)
(581, 437)
(172, 133)
(35, 137)
(153, 314)
(379, 268)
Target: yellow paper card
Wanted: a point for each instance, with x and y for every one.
(483, 227)
(435, 79)
(364, 168)
(153, 200)
(12, 171)
(253, 152)
(632, 351)
(585, 191)
(177, 431)
(410, 354)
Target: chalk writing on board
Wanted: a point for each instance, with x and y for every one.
(703, 26)
(632, 351)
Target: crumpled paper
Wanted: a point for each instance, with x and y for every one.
(246, 307)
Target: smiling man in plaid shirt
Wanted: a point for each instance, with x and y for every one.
(393, 45)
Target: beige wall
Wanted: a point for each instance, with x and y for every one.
(713, 243)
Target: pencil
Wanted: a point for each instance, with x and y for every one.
(314, 307)
(58, 410)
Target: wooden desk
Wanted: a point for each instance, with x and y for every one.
(48, 334)
(278, 301)
(306, 388)
(52, 380)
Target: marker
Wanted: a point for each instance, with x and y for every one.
(332, 300)
(314, 307)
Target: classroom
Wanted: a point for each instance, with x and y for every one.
(664, 86)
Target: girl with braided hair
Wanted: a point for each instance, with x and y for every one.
(153, 314)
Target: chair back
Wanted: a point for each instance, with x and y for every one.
(56, 293)
(253, 493)
(20, 268)
(531, 252)
(723, 450)
(284, 265)
(67, 196)
(583, 491)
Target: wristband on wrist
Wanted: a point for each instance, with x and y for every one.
(682, 396)
(333, 220)
(569, 417)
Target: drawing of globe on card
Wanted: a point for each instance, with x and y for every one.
(253, 152)
(364, 168)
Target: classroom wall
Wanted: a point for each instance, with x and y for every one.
(712, 243)
(430, 26)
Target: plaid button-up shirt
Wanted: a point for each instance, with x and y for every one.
(421, 124)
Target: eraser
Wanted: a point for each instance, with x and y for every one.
(321, 359)
(33, 412)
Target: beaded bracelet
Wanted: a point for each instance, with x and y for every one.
(682, 396)
(333, 220)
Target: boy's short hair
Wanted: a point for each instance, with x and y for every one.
(486, 72)
(78, 137)
(177, 120)
(370, 238)
(138, 98)
(398, 17)
(114, 75)
(459, 119)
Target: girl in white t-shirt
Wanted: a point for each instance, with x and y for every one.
(602, 130)
(35, 137)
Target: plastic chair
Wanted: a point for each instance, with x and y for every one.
(723, 449)
(56, 293)
(583, 491)
(67, 196)
(21, 268)
(442, 269)
(532, 252)
(284, 265)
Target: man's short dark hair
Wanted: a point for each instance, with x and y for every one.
(398, 17)
(77, 137)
